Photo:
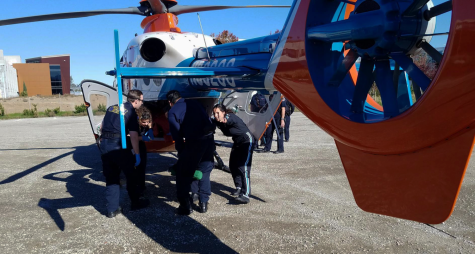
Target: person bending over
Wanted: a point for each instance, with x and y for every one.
(241, 154)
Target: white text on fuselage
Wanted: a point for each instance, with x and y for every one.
(214, 82)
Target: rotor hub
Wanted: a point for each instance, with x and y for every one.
(379, 27)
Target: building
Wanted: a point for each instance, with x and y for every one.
(59, 70)
(8, 76)
(36, 78)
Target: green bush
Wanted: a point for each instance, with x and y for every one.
(101, 108)
(80, 109)
(49, 112)
(24, 93)
(35, 110)
(56, 111)
(2, 110)
(28, 112)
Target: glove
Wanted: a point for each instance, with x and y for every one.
(150, 134)
(145, 138)
(137, 159)
(198, 175)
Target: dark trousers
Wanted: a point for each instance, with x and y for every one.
(114, 160)
(240, 162)
(270, 134)
(203, 187)
(287, 126)
(140, 171)
(193, 155)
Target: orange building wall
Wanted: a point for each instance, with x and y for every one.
(36, 77)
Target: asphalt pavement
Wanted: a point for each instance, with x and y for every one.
(52, 201)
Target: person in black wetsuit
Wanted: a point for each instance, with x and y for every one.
(241, 154)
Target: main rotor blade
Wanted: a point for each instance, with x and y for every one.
(182, 9)
(157, 6)
(80, 14)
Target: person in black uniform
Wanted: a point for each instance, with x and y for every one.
(192, 131)
(289, 109)
(115, 159)
(240, 159)
(268, 136)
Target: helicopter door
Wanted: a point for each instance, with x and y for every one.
(256, 115)
(97, 98)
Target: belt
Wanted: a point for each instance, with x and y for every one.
(110, 135)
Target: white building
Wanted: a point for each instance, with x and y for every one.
(8, 76)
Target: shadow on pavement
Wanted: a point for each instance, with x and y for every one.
(159, 222)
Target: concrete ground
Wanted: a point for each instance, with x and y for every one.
(52, 201)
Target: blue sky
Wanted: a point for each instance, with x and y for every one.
(90, 43)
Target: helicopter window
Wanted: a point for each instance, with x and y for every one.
(99, 106)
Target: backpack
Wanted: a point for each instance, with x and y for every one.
(289, 108)
(258, 101)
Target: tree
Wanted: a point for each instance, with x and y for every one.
(225, 37)
(24, 93)
(71, 81)
(276, 31)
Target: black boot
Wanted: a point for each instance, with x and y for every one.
(114, 213)
(184, 208)
(236, 192)
(242, 199)
(203, 207)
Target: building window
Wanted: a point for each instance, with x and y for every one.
(56, 84)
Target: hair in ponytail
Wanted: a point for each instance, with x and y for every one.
(223, 108)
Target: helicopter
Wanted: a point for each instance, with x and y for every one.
(405, 161)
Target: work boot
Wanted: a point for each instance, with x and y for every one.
(114, 213)
(203, 207)
(242, 199)
(263, 151)
(236, 192)
(184, 208)
(278, 151)
(194, 197)
(139, 204)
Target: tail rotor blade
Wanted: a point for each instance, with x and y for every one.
(431, 51)
(363, 85)
(384, 81)
(414, 7)
(344, 68)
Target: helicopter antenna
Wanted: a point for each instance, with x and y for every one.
(209, 58)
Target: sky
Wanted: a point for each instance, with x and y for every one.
(90, 41)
